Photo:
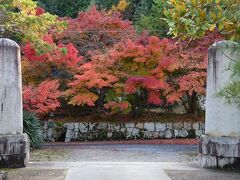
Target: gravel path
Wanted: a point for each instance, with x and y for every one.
(138, 141)
(134, 160)
(116, 153)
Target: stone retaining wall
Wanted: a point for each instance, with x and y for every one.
(55, 131)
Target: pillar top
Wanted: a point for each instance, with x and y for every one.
(8, 43)
(225, 44)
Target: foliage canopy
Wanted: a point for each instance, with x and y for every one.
(192, 19)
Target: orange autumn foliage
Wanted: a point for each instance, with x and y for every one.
(43, 98)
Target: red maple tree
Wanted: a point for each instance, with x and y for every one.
(188, 82)
(45, 75)
(43, 98)
(60, 54)
(95, 30)
(91, 81)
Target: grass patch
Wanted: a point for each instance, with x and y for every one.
(37, 174)
(49, 155)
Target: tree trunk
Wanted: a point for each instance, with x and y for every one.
(192, 103)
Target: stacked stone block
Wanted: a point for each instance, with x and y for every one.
(84, 131)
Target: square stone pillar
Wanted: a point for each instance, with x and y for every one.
(14, 144)
(220, 146)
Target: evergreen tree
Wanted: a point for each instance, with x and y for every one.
(63, 8)
(105, 4)
(151, 18)
(71, 8)
(137, 8)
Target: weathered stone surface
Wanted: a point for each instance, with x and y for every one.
(161, 126)
(116, 127)
(168, 134)
(169, 125)
(198, 133)
(177, 125)
(162, 134)
(149, 126)
(83, 127)
(69, 135)
(110, 126)
(45, 125)
(101, 125)
(76, 126)
(139, 125)
(69, 126)
(75, 135)
(3, 175)
(88, 131)
(148, 134)
(123, 129)
(50, 133)
(92, 126)
(222, 162)
(208, 161)
(219, 151)
(129, 130)
(196, 126)
(202, 126)
(182, 133)
(221, 119)
(220, 146)
(11, 115)
(45, 136)
(109, 135)
(14, 151)
(155, 134)
(14, 145)
(132, 133)
(175, 132)
(129, 125)
(187, 125)
(135, 132)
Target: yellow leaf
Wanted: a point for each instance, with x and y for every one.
(194, 2)
(202, 2)
(165, 12)
(221, 26)
(219, 15)
(212, 27)
(219, 7)
(214, 16)
(202, 14)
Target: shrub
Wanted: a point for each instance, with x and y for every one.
(32, 127)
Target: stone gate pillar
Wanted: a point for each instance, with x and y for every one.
(220, 145)
(14, 145)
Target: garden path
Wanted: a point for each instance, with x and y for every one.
(113, 161)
